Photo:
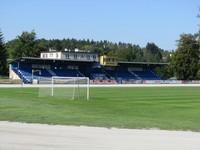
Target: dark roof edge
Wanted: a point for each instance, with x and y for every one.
(150, 63)
(120, 62)
(47, 59)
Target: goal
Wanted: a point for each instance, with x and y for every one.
(70, 87)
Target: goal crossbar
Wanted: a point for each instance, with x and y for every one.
(73, 82)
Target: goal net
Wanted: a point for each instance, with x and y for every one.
(67, 87)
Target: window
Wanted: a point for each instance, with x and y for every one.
(75, 56)
(94, 57)
(67, 56)
(88, 57)
(51, 55)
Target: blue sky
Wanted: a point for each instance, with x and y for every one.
(130, 21)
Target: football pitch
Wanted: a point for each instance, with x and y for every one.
(169, 108)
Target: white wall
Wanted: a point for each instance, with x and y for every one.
(53, 55)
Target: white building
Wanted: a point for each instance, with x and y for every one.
(67, 55)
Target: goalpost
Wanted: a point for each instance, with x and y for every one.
(70, 87)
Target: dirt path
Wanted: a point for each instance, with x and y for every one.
(22, 136)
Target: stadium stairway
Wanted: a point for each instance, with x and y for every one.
(136, 76)
(22, 76)
(51, 72)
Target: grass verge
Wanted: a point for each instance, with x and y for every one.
(171, 108)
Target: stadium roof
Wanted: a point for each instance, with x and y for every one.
(36, 60)
(144, 63)
(50, 60)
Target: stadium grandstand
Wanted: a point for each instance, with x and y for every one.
(104, 69)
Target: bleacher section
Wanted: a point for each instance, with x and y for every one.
(124, 74)
(94, 72)
(26, 74)
(98, 74)
(67, 72)
(121, 73)
(147, 75)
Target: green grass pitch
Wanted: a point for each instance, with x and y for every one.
(171, 108)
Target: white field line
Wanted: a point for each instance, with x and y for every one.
(100, 85)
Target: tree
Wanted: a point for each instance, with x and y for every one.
(166, 72)
(25, 46)
(198, 34)
(152, 53)
(3, 57)
(198, 39)
(55, 44)
(42, 45)
(185, 60)
(10, 47)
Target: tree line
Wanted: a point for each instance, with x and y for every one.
(27, 45)
(184, 62)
